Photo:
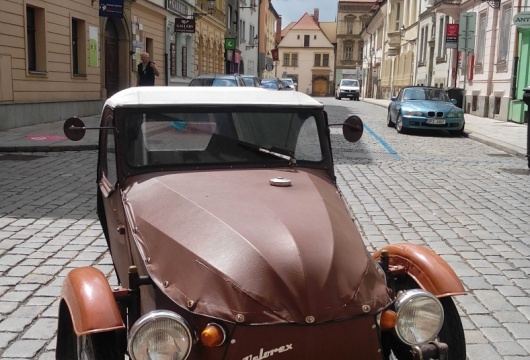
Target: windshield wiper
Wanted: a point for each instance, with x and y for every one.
(247, 145)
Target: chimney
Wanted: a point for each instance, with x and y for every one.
(278, 35)
(315, 15)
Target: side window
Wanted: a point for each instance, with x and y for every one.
(109, 156)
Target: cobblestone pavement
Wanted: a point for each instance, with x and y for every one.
(467, 201)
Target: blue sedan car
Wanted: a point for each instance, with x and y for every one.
(428, 108)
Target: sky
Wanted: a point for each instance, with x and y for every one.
(292, 10)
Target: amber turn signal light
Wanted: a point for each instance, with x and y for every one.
(213, 335)
(388, 319)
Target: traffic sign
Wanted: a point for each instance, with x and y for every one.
(466, 31)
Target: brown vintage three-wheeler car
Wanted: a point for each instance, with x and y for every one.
(230, 240)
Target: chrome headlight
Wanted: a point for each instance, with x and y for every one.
(413, 113)
(420, 316)
(160, 335)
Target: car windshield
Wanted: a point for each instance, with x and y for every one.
(214, 82)
(349, 83)
(259, 138)
(288, 81)
(249, 81)
(425, 94)
(269, 85)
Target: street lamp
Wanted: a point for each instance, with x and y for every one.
(211, 6)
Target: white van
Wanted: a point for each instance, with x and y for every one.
(348, 88)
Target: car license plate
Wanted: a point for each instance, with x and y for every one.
(436, 121)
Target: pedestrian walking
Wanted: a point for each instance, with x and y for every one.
(146, 71)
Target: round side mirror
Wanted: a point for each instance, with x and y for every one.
(352, 128)
(74, 128)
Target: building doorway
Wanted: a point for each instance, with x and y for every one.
(320, 86)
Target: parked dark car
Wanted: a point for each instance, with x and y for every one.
(251, 80)
(217, 80)
(273, 84)
(425, 108)
(231, 240)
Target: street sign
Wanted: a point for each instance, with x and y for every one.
(522, 20)
(466, 31)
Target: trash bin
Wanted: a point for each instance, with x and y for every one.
(457, 94)
(526, 99)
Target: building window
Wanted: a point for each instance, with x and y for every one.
(229, 17)
(290, 59)
(349, 27)
(348, 52)
(441, 38)
(321, 60)
(504, 40)
(36, 39)
(242, 31)
(317, 59)
(294, 60)
(423, 44)
(481, 38)
(306, 40)
(360, 51)
(79, 46)
(397, 12)
(252, 35)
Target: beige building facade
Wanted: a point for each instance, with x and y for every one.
(60, 58)
(307, 55)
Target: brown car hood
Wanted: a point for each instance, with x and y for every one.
(227, 244)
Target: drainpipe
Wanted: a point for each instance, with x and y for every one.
(515, 57)
(416, 52)
(369, 90)
(493, 49)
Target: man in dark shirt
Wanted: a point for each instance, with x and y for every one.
(146, 71)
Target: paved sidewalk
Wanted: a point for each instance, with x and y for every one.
(506, 136)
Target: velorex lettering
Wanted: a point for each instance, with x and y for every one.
(269, 353)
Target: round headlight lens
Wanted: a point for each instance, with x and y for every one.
(160, 335)
(420, 316)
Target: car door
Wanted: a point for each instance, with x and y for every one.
(395, 105)
(110, 206)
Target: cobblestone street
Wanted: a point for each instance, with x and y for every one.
(468, 202)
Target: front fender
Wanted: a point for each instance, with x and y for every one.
(90, 301)
(427, 269)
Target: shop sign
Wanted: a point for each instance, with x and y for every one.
(184, 25)
(177, 7)
(451, 36)
(230, 43)
(522, 20)
(111, 8)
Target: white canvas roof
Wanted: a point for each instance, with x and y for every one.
(205, 95)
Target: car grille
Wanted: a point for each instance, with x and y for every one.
(438, 114)
(434, 125)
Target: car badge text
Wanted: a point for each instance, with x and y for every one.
(269, 353)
